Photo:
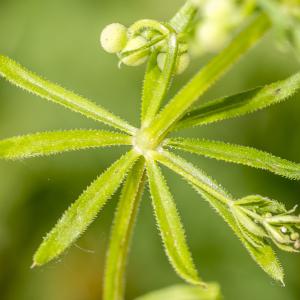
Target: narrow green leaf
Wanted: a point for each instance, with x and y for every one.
(157, 82)
(222, 201)
(47, 143)
(18, 75)
(238, 154)
(84, 210)
(207, 76)
(170, 226)
(122, 232)
(185, 292)
(241, 104)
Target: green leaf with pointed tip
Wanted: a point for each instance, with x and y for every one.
(157, 82)
(47, 143)
(121, 233)
(170, 226)
(221, 201)
(238, 154)
(207, 76)
(84, 210)
(241, 104)
(185, 292)
(18, 75)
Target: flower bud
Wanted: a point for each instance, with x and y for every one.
(113, 38)
(218, 9)
(139, 57)
(182, 62)
(297, 245)
(294, 236)
(212, 35)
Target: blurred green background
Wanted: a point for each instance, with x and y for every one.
(59, 40)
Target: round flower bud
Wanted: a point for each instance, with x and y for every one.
(294, 236)
(161, 60)
(212, 35)
(218, 9)
(297, 245)
(182, 62)
(113, 38)
(137, 58)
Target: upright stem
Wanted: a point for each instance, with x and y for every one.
(121, 233)
(181, 21)
(187, 96)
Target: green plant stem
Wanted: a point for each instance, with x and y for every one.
(186, 97)
(157, 82)
(181, 21)
(122, 231)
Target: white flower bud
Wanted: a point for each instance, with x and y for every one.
(212, 36)
(181, 65)
(294, 236)
(218, 9)
(137, 58)
(113, 38)
(297, 245)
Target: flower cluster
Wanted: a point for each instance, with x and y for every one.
(262, 218)
(135, 44)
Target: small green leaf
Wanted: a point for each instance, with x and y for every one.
(30, 82)
(185, 292)
(122, 232)
(47, 143)
(84, 210)
(238, 154)
(221, 201)
(157, 82)
(207, 76)
(241, 104)
(170, 226)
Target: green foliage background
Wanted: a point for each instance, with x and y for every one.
(59, 40)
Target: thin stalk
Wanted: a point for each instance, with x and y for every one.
(181, 21)
(177, 107)
(122, 231)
